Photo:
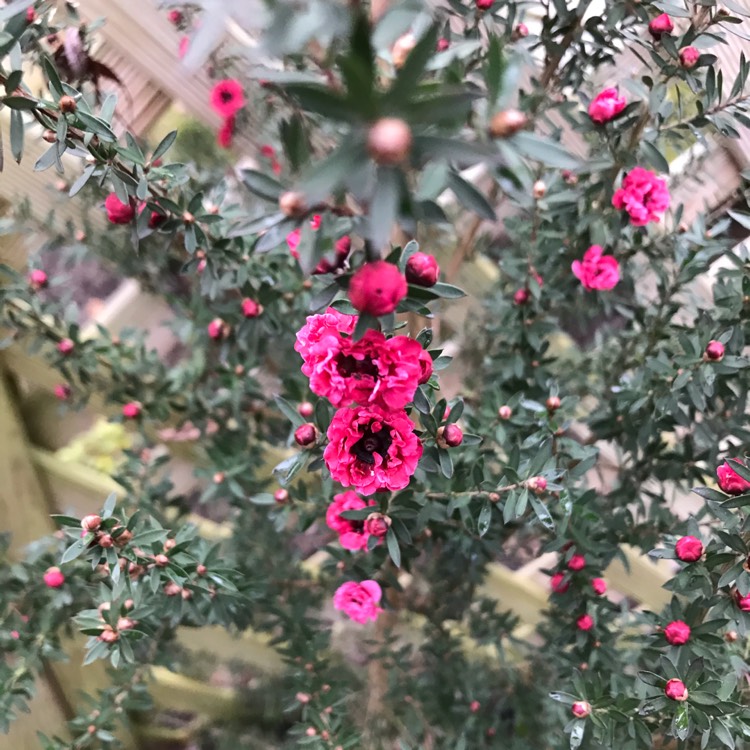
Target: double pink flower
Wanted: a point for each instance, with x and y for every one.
(596, 270)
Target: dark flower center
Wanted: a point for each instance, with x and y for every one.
(370, 443)
(349, 366)
(226, 96)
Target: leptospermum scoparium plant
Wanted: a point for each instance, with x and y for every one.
(525, 152)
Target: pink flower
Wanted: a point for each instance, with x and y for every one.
(643, 195)
(422, 269)
(596, 270)
(352, 534)
(743, 602)
(54, 578)
(117, 211)
(606, 105)
(227, 97)
(677, 633)
(30, 14)
(377, 288)
(359, 600)
(322, 332)
(577, 562)
(371, 449)
(689, 549)
(484, 4)
(558, 584)
(599, 585)
(425, 366)
(62, 391)
(585, 622)
(131, 410)
(371, 370)
(676, 690)
(689, 57)
(225, 133)
(293, 238)
(730, 481)
(662, 24)
(183, 47)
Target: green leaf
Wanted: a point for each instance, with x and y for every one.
(290, 467)
(66, 520)
(654, 157)
(109, 505)
(446, 463)
(21, 103)
(384, 205)
(17, 134)
(48, 158)
(576, 735)
(651, 678)
(96, 126)
(740, 468)
(541, 512)
(722, 734)
(543, 150)
(468, 195)
(261, 184)
(322, 101)
(411, 71)
(565, 698)
(394, 550)
(325, 176)
(364, 323)
(77, 548)
(164, 145)
(485, 518)
(452, 106)
(447, 291)
(493, 73)
(262, 498)
(289, 411)
(709, 494)
(149, 537)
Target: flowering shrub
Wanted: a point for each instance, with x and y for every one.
(367, 495)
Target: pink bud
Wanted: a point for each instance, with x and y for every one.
(217, 329)
(450, 436)
(377, 524)
(599, 585)
(125, 623)
(54, 578)
(442, 44)
(521, 297)
(91, 523)
(689, 57)
(306, 434)
(131, 410)
(689, 549)
(306, 409)
(585, 622)
(65, 346)
(505, 412)
(715, 351)
(108, 635)
(558, 584)
(677, 633)
(581, 709)
(537, 484)
(281, 496)
(250, 308)
(38, 278)
(662, 24)
(422, 269)
(676, 690)
(474, 706)
(62, 391)
(577, 562)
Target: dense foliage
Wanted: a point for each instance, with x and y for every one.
(527, 149)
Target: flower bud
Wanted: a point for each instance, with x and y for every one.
(218, 329)
(201, 569)
(450, 436)
(743, 602)
(577, 562)
(65, 346)
(281, 496)
(30, 14)
(306, 409)
(125, 623)
(425, 366)
(306, 435)
(293, 204)
(68, 104)
(377, 524)
(730, 636)
(171, 588)
(599, 585)
(505, 412)
(422, 269)
(539, 189)
(161, 561)
(676, 690)
(689, 549)
(377, 288)
(186, 594)
(660, 25)
(131, 410)
(581, 709)
(38, 279)
(585, 622)
(570, 177)
(250, 308)
(442, 44)
(91, 523)
(53, 577)
(105, 541)
(507, 123)
(689, 57)
(521, 31)
(558, 584)
(123, 538)
(553, 403)
(474, 706)
(389, 141)
(714, 351)
(62, 391)
(108, 635)
(677, 633)
(537, 485)
(522, 296)
(484, 4)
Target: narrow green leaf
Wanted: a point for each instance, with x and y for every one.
(76, 549)
(289, 411)
(543, 150)
(393, 549)
(261, 184)
(468, 195)
(164, 145)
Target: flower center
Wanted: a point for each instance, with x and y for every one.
(226, 96)
(352, 367)
(370, 443)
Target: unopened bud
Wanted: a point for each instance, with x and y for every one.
(553, 403)
(68, 104)
(389, 141)
(450, 436)
(507, 123)
(505, 412)
(91, 523)
(293, 204)
(281, 496)
(306, 435)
